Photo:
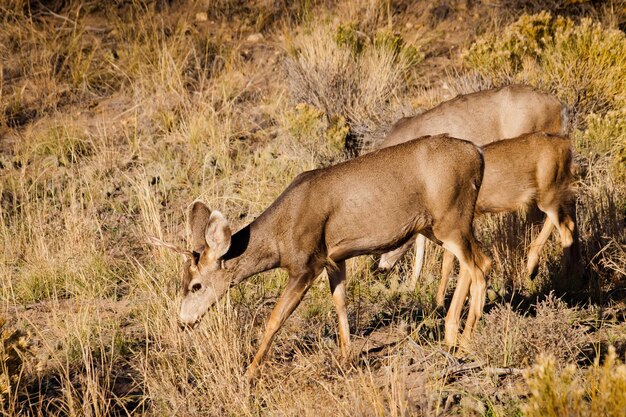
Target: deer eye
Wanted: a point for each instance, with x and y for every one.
(196, 287)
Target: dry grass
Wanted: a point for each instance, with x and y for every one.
(597, 391)
(507, 338)
(113, 117)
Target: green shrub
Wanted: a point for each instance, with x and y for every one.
(307, 124)
(350, 37)
(582, 63)
(92, 276)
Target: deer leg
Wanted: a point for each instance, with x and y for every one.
(420, 247)
(297, 286)
(389, 259)
(337, 280)
(478, 290)
(532, 265)
(566, 225)
(474, 266)
(453, 317)
(446, 270)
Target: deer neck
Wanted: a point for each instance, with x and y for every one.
(252, 250)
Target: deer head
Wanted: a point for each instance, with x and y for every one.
(204, 280)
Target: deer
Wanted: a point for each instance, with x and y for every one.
(481, 117)
(532, 169)
(367, 205)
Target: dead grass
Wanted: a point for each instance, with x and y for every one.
(114, 117)
(508, 338)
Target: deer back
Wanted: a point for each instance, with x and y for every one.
(375, 202)
(485, 116)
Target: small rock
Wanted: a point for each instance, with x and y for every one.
(409, 25)
(202, 17)
(255, 37)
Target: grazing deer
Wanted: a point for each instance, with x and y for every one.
(370, 204)
(531, 169)
(482, 117)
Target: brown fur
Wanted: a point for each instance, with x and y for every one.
(532, 169)
(482, 118)
(370, 204)
(485, 116)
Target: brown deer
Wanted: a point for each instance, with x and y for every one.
(531, 169)
(482, 117)
(370, 204)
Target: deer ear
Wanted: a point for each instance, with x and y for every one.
(198, 221)
(218, 234)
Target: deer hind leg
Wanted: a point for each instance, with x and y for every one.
(478, 289)
(337, 280)
(446, 270)
(565, 219)
(474, 267)
(297, 286)
(532, 265)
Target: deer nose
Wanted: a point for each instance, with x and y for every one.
(188, 326)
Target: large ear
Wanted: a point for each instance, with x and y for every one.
(199, 215)
(218, 234)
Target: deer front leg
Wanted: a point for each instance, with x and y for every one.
(337, 280)
(297, 286)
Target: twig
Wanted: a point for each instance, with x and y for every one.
(503, 371)
(449, 356)
(464, 367)
(73, 22)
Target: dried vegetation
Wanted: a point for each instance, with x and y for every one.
(115, 115)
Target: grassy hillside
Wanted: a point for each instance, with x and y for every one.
(115, 116)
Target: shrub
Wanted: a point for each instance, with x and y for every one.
(507, 338)
(346, 73)
(582, 63)
(606, 136)
(306, 124)
(597, 391)
(14, 344)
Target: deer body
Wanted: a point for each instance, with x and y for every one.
(532, 169)
(482, 117)
(485, 116)
(370, 204)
